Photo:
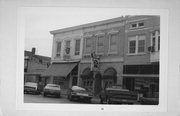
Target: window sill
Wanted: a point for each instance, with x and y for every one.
(112, 53)
(135, 54)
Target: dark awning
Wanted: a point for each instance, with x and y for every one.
(87, 74)
(60, 69)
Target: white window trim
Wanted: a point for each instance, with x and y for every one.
(97, 37)
(137, 45)
(137, 25)
(157, 33)
(109, 37)
(65, 46)
(75, 46)
(85, 37)
(56, 42)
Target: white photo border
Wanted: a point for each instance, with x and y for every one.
(162, 107)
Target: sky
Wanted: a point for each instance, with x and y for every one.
(40, 21)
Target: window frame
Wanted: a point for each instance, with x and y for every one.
(85, 48)
(136, 38)
(60, 54)
(110, 34)
(97, 40)
(76, 46)
(137, 25)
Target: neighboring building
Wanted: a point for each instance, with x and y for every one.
(34, 66)
(66, 55)
(141, 54)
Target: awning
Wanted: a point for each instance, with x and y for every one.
(87, 74)
(141, 75)
(60, 69)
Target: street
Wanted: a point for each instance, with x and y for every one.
(29, 98)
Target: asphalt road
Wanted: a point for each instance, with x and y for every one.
(29, 98)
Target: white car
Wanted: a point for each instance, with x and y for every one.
(52, 89)
(31, 87)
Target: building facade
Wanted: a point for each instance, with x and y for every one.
(66, 55)
(141, 55)
(121, 51)
(105, 39)
(34, 66)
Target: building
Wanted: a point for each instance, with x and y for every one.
(66, 55)
(121, 51)
(141, 55)
(105, 39)
(34, 66)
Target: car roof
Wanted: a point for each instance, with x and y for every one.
(77, 88)
(52, 85)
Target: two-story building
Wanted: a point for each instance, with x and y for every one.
(141, 54)
(106, 40)
(66, 55)
(126, 50)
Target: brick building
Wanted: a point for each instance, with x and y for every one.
(126, 50)
(141, 54)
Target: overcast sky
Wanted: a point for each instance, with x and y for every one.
(40, 21)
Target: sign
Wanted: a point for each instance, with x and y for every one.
(94, 62)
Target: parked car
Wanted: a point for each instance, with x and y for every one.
(79, 93)
(149, 101)
(117, 95)
(52, 89)
(31, 87)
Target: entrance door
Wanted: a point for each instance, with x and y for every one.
(97, 86)
(74, 81)
(129, 83)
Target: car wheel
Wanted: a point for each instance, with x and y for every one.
(70, 98)
(44, 94)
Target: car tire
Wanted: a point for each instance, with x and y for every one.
(44, 94)
(70, 98)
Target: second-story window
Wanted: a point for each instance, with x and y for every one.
(155, 41)
(137, 25)
(136, 44)
(67, 47)
(99, 44)
(58, 49)
(88, 45)
(77, 47)
(113, 43)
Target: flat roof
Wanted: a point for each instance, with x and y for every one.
(89, 25)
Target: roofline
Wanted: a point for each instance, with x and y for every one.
(118, 19)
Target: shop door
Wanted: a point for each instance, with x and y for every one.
(74, 81)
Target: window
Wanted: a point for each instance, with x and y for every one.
(132, 46)
(77, 47)
(67, 47)
(136, 44)
(58, 49)
(113, 43)
(88, 46)
(137, 25)
(155, 41)
(100, 46)
(140, 24)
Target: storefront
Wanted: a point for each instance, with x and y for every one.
(65, 74)
(142, 78)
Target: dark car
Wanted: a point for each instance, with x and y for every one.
(79, 93)
(52, 89)
(31, 87)
(149, 101)
(117, 95)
